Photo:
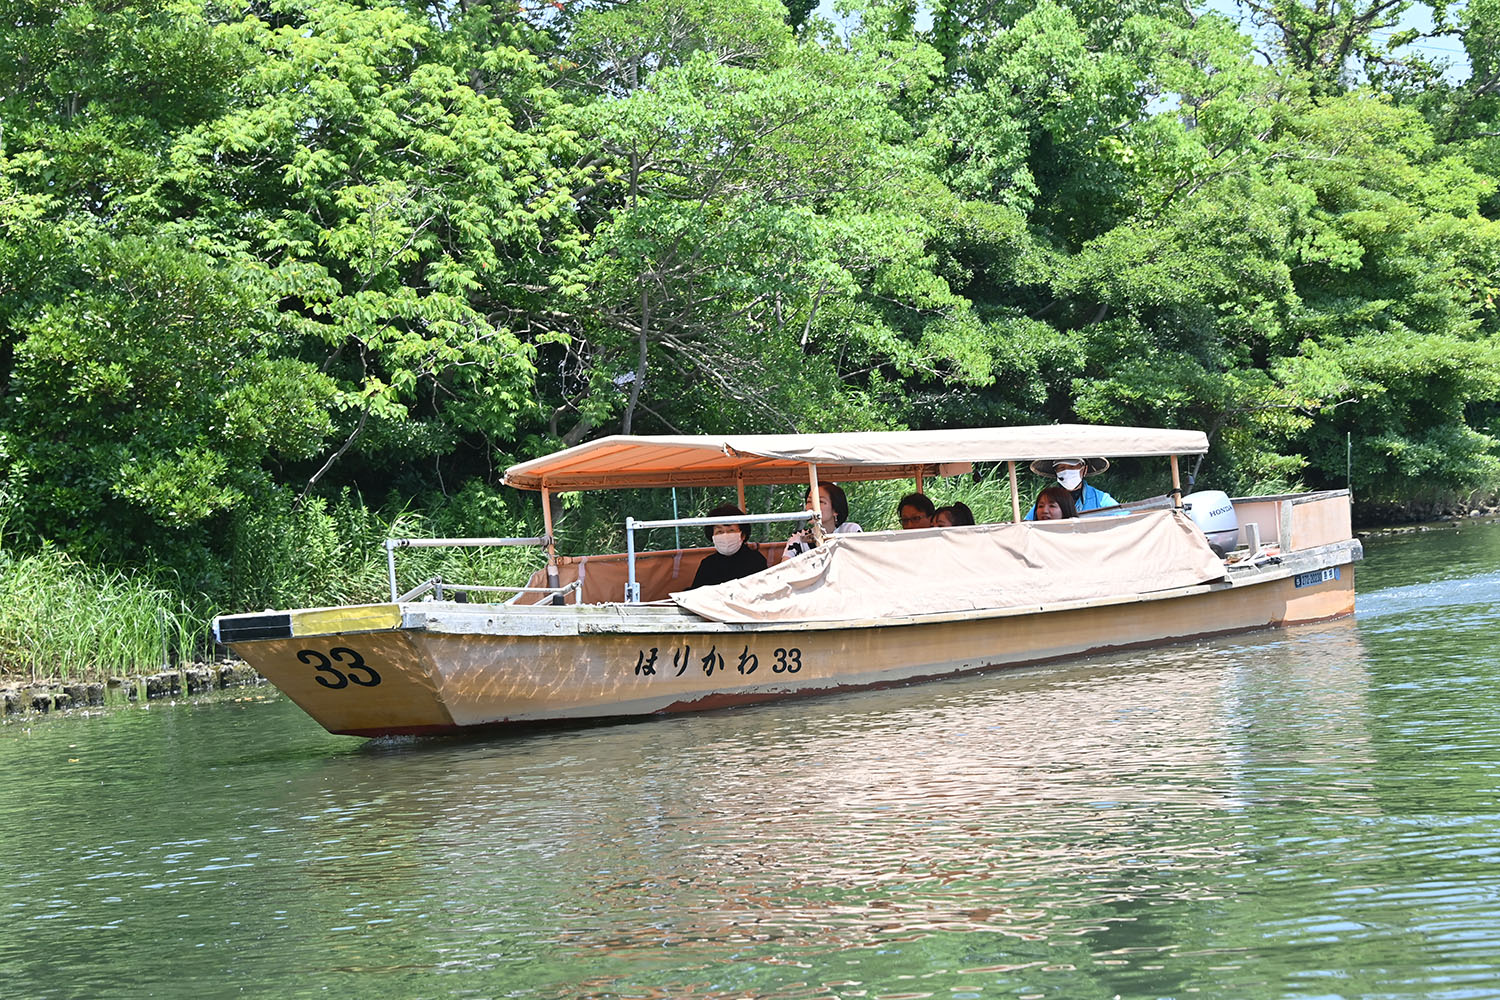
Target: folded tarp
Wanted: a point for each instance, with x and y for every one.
(990, 566)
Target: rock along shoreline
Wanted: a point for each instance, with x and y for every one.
(21, 697)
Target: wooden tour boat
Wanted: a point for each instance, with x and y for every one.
(618, 635)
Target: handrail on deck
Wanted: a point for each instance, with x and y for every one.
(633, 589)
(435, 585)
(392, 544)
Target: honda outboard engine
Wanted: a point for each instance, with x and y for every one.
(1212, 512)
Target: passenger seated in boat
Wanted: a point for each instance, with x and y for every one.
(1070, 473)
(1052, 504)
(955, 515)
(731, 558)
(916, 511)
(833, 506)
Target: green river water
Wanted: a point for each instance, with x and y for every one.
(1301, 813)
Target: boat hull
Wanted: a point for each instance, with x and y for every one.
(435, 668)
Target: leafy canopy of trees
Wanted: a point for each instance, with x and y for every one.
(255, 256)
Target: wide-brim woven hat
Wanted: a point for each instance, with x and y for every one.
(1048, 466)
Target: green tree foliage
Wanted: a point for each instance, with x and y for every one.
(136, 388)
(755, 257)
(377, 182)
(349, 254)
(1225, 221)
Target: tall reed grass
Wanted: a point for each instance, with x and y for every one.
(59, 618)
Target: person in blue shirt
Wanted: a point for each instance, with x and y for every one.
(1070, 473)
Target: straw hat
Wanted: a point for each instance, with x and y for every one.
(1048, 466)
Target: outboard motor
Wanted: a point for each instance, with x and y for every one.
(1214, 514)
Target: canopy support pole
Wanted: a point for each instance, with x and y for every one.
(1176, 485)
(390, 561)
(632, 589)
(739, 488)
(1015, 494)
(817, 503)
(552, 579)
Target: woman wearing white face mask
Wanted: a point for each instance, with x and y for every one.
(731, 558)
(1070, 473)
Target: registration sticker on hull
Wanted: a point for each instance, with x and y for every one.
(1316, 577)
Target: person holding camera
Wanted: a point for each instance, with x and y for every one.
(833, 506)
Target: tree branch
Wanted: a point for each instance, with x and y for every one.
(363, 416)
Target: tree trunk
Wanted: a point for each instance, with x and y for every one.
(640, 365)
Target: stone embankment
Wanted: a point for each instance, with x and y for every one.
(19, 697)
(1385, 515)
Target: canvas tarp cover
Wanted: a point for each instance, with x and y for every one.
(990, 566)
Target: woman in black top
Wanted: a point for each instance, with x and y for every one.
(732, 558)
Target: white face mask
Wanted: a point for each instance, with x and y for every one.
(728, 545)
(1069, 479)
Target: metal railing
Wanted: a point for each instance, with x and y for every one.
(633, 589)
(435, 584)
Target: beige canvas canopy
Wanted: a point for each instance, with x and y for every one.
(897, 574)
(620, 462)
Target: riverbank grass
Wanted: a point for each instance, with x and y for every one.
(62, 619)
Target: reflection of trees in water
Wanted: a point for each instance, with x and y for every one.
(1301, 698)
(1432, 562)
(1350, 875)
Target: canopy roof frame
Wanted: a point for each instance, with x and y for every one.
(638, 462)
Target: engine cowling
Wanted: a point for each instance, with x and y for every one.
(1212, 511)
